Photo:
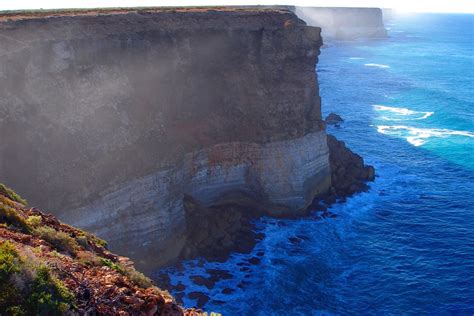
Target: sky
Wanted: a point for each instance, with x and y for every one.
(400, 5)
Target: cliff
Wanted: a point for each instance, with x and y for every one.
(50, 268)
(345, 23)
(109, 119)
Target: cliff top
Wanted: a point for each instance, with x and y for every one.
(41, 14)
(47, 267)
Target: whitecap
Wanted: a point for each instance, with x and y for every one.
(419, 136)
(377, 65)
(400, 114)
(356, 58)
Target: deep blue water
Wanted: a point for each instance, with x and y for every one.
(406, 246)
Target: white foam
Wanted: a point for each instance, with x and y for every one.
(401, 114)
(356, 58)
(419, 136)
(377, 65)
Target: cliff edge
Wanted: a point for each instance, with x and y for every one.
(111, 118)
(165, 131)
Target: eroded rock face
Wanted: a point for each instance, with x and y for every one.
(333, 119)
(122, 114)
(345, 23)
(348, 170)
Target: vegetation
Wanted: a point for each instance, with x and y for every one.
(26, 289)
(48, 295)
(59, 239)
(111, 265)
(35, 249)
(11, 217)
(11, 194)
(136, 277)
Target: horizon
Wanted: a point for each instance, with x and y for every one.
(404, 6)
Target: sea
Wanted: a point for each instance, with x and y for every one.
(405, 247)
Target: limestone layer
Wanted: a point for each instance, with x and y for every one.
(113, 117)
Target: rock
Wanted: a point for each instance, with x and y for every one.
(199, 280)
(227, 291)
(201, 298)
(294, 240)
(180, 287)
(217, 275)
(254, 260)
(371, 173)
(333, 119)
(348, 172)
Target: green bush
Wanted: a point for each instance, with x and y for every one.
(112, 265)
(59, 239)
(34, 220)
(48, 295)
(136, 277)
(8, 261)
(11, 217)
(11, 194)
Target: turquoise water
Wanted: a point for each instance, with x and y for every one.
(406, 247)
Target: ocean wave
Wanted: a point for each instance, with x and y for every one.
(377, 65)
(401, 114)
(419, 136)
(356, 58)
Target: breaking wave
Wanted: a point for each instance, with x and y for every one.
(401, 114)
(419, 136)
(377, 65)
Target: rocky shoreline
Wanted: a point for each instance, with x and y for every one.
(220, 231)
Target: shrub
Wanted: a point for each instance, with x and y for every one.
(12, 217)
(34, 220)
(60, 240)
(48, 295)
(27, 292)
(112, 265)
(9, 261)
(82, 241)
(91, 238)
(11, 194)
(88, 258)
(138, 278)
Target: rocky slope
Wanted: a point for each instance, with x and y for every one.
(345, 23)
(50, 268)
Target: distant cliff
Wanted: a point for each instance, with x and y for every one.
(345, 23)
(109, 119)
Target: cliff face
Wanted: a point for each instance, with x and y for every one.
(345, 23)
(109, 120)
